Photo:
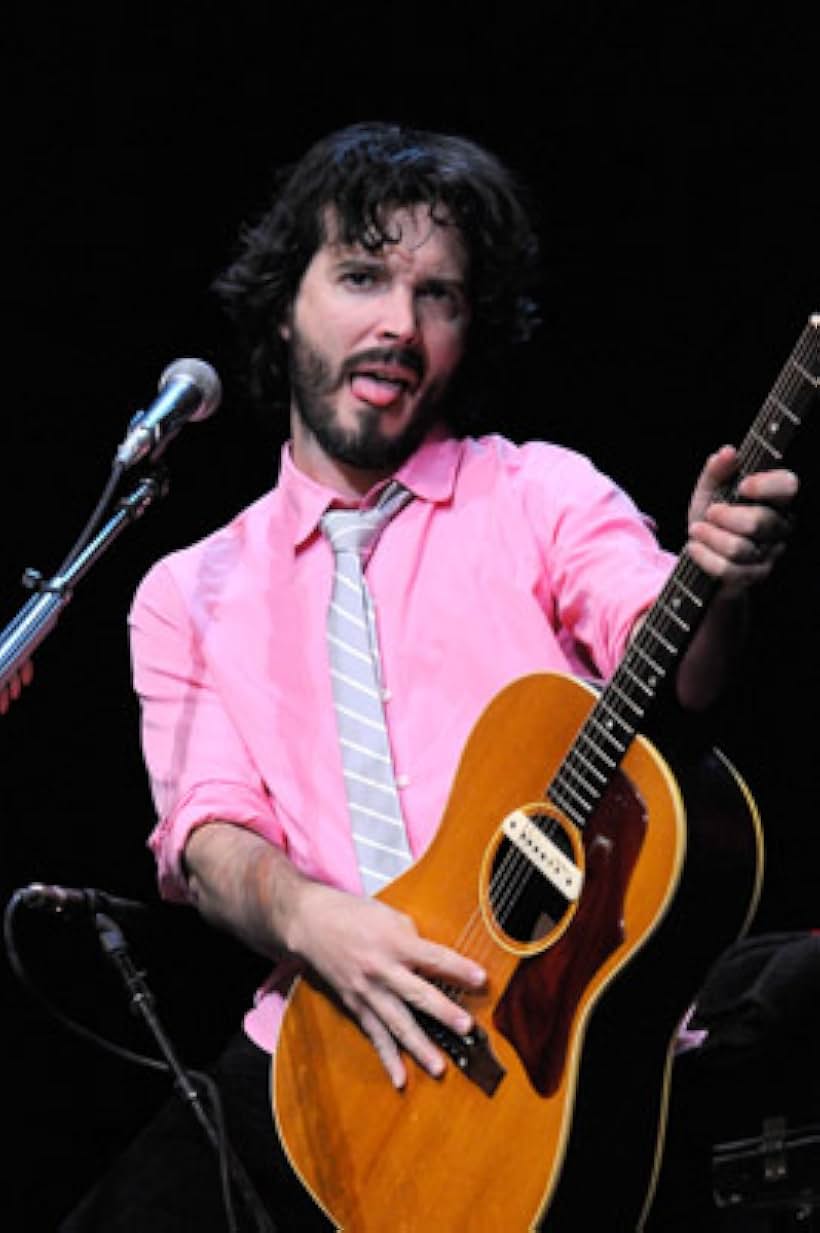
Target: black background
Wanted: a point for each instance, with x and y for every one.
(674, 161)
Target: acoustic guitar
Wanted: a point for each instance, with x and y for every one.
(596, 880)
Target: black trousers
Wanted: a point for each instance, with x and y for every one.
(168, 1181)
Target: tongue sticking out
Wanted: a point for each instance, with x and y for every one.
(375, 391)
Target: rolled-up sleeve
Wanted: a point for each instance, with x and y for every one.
(605, 564)
(199, 766)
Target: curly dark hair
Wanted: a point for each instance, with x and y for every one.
(365, 172)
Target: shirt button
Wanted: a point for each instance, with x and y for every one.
(402, 781)
(387, 694)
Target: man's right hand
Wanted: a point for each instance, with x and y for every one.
(370, 955)
(382, 970)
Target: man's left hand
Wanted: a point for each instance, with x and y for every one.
(739, 543)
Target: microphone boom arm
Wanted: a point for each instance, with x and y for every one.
(38, 616)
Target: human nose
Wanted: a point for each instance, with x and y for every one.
(399, 318)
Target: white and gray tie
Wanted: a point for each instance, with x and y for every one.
(376, 819)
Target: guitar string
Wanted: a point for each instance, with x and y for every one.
(514, 874)
(752, 452)
(510, 880)
(505, 885)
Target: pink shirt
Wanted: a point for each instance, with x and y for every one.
(511, 559)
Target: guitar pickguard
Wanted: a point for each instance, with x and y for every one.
(539, 1005)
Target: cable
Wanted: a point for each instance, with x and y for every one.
(114, 946)
(116, 474)
(72, 1025)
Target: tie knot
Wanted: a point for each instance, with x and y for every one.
(356, 530)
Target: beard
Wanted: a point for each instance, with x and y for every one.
(365, 446)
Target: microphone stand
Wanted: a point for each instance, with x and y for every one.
(115, 948)
(40, 614)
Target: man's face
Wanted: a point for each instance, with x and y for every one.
(374, 340)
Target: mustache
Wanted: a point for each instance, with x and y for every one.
(404, 357)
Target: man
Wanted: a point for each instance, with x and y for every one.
(389, 277)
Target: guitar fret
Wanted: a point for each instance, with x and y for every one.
(559, 790)
(787, 411)
(609, 728)
(670, 612)
(591, 766)
(613, 714)
(633, 706)
(775, 453)
(613, 740)
(577, 775)
(640, 651)
(566, 807)
(578, 797)
(805, 374)
(690, 595)
(638, 681)
(670, 646)
(610, 762)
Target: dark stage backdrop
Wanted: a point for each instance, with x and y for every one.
(675, 169)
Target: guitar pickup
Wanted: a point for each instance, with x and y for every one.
(471, 1053)
(544, 854)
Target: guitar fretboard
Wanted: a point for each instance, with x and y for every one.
(667, 628)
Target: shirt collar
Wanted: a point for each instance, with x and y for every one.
(429, 474)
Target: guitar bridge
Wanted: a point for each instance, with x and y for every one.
(471, 1053)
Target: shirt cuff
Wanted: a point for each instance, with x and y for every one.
(209, 802)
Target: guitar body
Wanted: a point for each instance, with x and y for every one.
(558, 1114)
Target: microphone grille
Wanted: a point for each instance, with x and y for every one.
(203, 376)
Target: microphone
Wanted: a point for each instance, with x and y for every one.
(69, 902)
(188, 390)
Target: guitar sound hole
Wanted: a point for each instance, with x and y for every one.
(526, 904)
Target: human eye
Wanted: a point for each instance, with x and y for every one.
(444, 297)
(360, 276)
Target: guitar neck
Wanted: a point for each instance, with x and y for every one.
(671, 622)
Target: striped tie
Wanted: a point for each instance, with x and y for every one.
(376, 819)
